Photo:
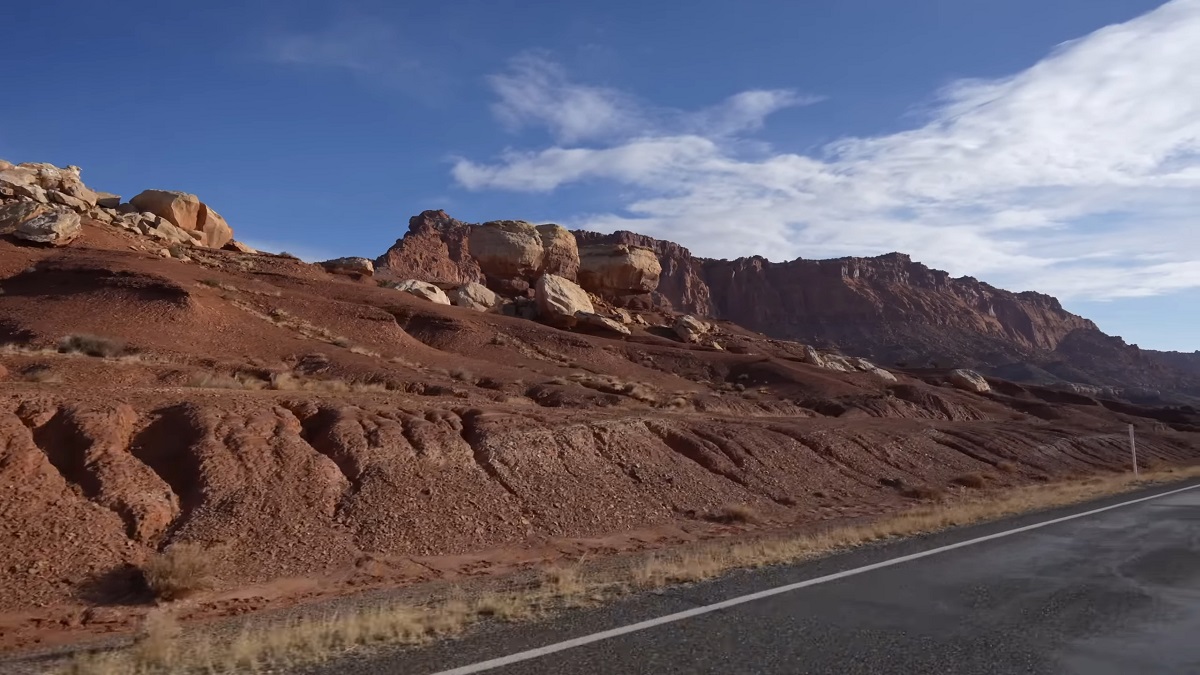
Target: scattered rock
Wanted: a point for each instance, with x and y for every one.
(618, 270)
(356, 267)
(969, 380)
(127, 208)
(186, 212)
(475, 296)
(165, 231)
(623, 316)
(12, 215)
(689, 328)
(56, 228)
(423, 290)
(602, 322)
(559, 300)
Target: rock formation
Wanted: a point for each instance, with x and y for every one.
(186, 212)
(351, 266)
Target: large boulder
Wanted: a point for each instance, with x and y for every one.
(355, 267)
(613, 270)
(559, 300)
(475, 296)
(56, 228)
(560, 252)
(423, 290)
(35, 177)
(14, 214)
(689, 328)
(969, 380)
(186, 212)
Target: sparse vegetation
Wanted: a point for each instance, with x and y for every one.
(223, 381)
(364, 351)
(91, 345)
(737, 513)
(181, 570)
(42, 374)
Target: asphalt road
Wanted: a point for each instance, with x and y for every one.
(1110, 592)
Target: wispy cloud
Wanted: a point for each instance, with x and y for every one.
(1079, 175)
(368, 48)
(536, 91)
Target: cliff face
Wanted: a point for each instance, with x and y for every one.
(888, 308)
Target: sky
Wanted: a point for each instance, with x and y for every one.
(1049, 146)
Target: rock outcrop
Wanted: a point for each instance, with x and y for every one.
(433, 249)
(618, 270)
(187, 212)
(560, 300)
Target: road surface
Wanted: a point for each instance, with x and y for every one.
(1116, 591)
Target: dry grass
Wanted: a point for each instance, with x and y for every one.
(223, 381)
(971, 480)
(611, 385)
(180, 571)
(364, 351)
(279, 645)
(91, 345)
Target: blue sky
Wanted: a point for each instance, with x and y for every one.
(1045, 146)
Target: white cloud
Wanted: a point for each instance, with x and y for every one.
(1078, 176)
(367, 48)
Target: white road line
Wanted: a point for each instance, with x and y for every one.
(732, 602)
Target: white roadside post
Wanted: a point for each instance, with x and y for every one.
(1133, 450)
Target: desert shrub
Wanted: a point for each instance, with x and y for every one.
(1006, 466)
(922, 492)
(180, 571)
(91, 345)
(223, 381)
(737, 513)
(462, 375)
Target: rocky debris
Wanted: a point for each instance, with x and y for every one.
(844, 364)
(350, 266)
(15, 213)
(67, 200)
(165, 231)
(56, 228)
(689, 328)
(238, 247)
(602, 322)
(423, 290)
(559, 300)
(623, 316)
(969, 380)
(615, 271)
(560, 252)
(475, 296)
(186, 212)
